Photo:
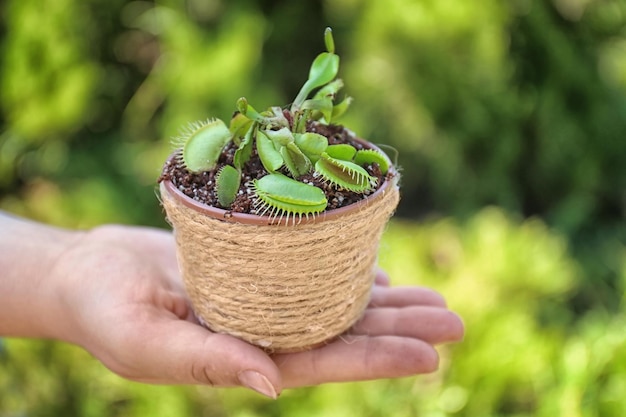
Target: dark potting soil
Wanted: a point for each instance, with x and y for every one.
(201, 186)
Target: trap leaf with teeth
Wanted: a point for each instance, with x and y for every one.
(344, 174)
(369, 156)
(203, 144)
(279, 195)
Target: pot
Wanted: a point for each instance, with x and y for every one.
(282, 287)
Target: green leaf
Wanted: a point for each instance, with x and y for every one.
(340, 108)
(328, 93)
(247, 110)
(280, 137)
(296, 162)
(322, 106)
(227, 184)
(330, 89)
(341, 151)
(311, 144)
(239, 125)
(329, 41)
(323, 70)
(244, 151)
(278, 117)
(270, 157)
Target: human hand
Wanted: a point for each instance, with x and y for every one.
(122, 300)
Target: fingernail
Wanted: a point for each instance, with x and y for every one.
(257, 382)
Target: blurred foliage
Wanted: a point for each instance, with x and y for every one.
(525, 352)
(518, 104)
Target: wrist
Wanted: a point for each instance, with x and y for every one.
(30, 254)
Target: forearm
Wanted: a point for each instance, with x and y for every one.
(29, 301)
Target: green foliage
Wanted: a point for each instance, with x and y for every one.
(521, 104)
(44, 91)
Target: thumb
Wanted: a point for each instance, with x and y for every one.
(181, 352)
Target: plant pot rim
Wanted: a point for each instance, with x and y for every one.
(391, 180)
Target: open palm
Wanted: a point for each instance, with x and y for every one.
(125, 303)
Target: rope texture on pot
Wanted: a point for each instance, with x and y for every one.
(280, 287)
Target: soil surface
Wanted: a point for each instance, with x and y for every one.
(201, 186)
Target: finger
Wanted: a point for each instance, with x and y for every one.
(431, 324)
(355, 358)
(180, 352)
(382, 279)
(405, 296)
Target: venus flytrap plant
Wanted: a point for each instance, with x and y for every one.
(288, 152)
(228, 186)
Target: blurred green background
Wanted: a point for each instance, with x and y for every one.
(510, 122)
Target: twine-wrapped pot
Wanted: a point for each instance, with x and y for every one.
(280, 287)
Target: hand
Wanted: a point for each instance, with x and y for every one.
(122, 299)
